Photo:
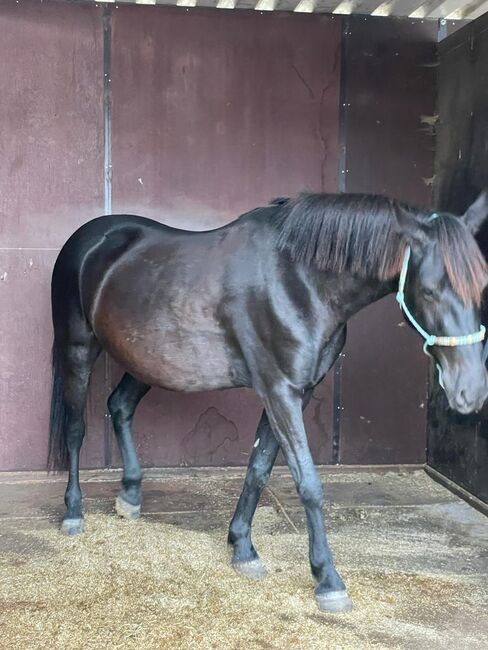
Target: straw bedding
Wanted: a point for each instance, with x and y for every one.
(150, 585)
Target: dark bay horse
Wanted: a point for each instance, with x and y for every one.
(262, 302)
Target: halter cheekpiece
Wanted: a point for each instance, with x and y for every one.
(432, 339)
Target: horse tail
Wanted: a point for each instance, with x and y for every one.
(57, 459)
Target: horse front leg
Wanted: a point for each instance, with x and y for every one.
(283, 407)
(245, 559)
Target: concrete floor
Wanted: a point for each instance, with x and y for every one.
(414, 556)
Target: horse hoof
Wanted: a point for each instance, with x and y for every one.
(127, 510)
(254, 569)
(72, 527)
(335, 602)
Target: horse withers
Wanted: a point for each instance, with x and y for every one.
(263, 303)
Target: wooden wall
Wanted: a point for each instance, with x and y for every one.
(212, 113)
(458, 445)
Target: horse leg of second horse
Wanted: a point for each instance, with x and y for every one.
(122, 404)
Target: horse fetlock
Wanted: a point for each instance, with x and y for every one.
(131, 487)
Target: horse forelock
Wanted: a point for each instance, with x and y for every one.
(464, 263)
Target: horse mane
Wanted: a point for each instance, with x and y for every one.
(358, 233)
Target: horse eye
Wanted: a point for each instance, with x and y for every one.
(428, 293)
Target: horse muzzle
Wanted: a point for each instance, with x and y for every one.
(469, 393)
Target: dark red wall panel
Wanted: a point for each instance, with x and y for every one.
(25, 357)
(215, 113)
(389, 150)
(51, 180)
(51, 162)
(216, 428)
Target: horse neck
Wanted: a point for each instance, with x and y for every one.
(348, 294)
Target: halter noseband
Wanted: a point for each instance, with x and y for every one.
(431, 339)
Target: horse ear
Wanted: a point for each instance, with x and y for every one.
(476, 214)
(408, 226)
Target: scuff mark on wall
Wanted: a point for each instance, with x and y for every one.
(212, 431)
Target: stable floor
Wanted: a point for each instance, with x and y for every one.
(414, 557)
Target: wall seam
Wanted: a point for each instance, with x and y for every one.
(337, 385)
(107, 180)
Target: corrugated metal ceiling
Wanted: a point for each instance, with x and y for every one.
(448, 9)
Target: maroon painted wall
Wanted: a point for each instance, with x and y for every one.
(389, 150)
(51, 181)
(213, 113)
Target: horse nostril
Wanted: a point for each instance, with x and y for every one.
(464, 400)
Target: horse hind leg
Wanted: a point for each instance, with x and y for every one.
(122, 404)
(73, 363)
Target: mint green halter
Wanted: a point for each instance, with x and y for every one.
(431, 339)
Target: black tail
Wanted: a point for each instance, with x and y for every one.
(57, 459)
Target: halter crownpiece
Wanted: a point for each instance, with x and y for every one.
(432, 339)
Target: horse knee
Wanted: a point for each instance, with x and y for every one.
(261, 480)
(259, 475)
(311, 492)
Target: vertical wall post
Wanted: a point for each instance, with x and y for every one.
(107, 170)
(336, 425)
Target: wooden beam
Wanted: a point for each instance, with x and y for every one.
(385, 9)
(266, 5)
(407, 7)
(457, 490)
(424, 8)
(474, 9)
(305, 6)
(446, 8)
(345, 7)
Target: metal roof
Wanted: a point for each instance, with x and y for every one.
(448, 9)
